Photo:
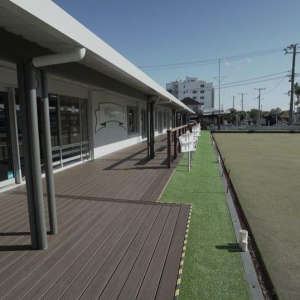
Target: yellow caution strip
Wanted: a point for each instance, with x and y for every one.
(179, 276)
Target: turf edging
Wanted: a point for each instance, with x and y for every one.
(213, 267)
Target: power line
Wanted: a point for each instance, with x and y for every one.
(236, 83)
(274, 87)
(215, 60)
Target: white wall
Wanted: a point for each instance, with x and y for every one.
(113, 136)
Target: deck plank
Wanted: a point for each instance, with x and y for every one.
(138, 271)
(89, 271)
(151, 280)
(114, 242)
(168, 279)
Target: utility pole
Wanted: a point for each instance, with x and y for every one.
(219, 79)
(259, 107)
(233, 102)
(242, 100)
(293, 49)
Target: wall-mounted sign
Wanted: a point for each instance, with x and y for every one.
(109, 112)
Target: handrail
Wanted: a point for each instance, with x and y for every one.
(56, 148)
(177, 131)
(178, 128)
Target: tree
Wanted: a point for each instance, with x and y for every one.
(254, 115)
(243, 115)
(232, 116)
(297, 93)
(275, 111)
(297, 90)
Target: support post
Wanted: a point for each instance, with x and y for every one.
(152, 134)
(33, 136)
(48, 156)
(175, 144)
(179, 147)
(148, 130)
(14, 135)
(169, 148)
(26, 151)
(27, 89)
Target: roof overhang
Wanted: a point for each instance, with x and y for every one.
(47, 25)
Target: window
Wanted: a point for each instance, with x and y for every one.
(201, 97)
(165, 119)
(132, 119)
(194, 98)
(202, 85)
(53, 114)
(202, 92)
(84, 124)
(70, 120)
(194, 92)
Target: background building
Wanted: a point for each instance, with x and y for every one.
(198, 90)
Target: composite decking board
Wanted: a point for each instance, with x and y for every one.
(22, 224)
(115, 283)
(168, 279)
(22, 267)
(12, 202)
(151, 280)
(24, 240)
(118, 200)
(134, 191)
(108, 255)
(88, 274)
(9, 256)
(67, 279)
(75, 247)
(54, 275)
(125, 252)
(156, 187)
(93, 265)
(135, 278)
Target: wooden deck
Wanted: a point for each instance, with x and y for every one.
(122, 175)
(112, 243)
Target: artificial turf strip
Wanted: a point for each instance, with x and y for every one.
(212, 267)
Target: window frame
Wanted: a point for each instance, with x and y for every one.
(135, 120)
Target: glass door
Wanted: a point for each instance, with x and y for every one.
(144, 123)
(6, 158)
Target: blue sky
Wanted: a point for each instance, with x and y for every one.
(162, 32)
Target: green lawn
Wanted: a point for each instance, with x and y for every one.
(211, 270)
(265, 168)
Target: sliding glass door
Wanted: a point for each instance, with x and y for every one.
(6, 158)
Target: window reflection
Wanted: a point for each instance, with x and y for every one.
(70, 120)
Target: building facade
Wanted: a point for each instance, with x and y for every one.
(198, 90)
(97, 105)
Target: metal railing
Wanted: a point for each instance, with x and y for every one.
(67, 154)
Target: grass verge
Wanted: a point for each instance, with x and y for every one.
(212, 267)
